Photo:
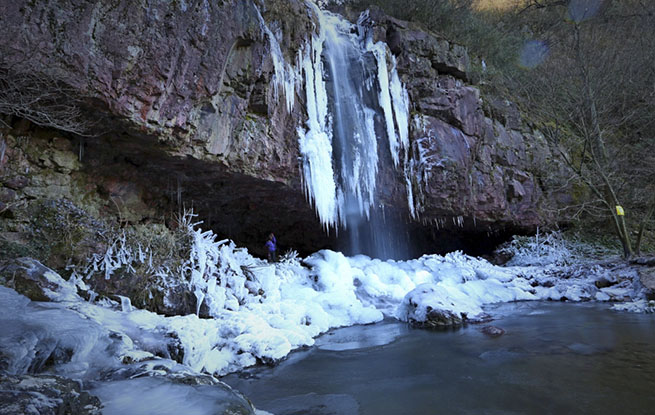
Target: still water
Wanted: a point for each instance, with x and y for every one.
(554, 358)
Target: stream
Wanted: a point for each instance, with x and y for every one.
(553, 358)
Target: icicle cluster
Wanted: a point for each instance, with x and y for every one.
(285, 76)
(210, 268)
(334, 185)
(393, 96)
(120, 255)
(337, 186)
(394, 101)
(316, 140)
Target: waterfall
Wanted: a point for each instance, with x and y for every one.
(357, 108)
(352, 87)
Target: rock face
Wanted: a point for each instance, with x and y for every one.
(183, 108)
(474, 165)
(45, 395)
(183, 113)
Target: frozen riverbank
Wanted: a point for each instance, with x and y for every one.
(260, 312)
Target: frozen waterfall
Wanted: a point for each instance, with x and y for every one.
(354, 99)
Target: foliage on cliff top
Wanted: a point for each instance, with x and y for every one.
(590, 87)
(480, 30)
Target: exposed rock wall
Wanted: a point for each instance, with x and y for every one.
(182, 107)
(184, 112)
(474, 164)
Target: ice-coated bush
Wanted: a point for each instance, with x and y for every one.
(554, 248)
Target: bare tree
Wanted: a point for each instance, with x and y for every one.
(41, 98)
(594, 96)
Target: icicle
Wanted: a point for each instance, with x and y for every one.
(285, 75)
(200, 297)
(316, 142)
(400, 105)
(380, 51)
(126, 304)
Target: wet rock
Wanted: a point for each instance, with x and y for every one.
(34, 280)
(7, 195)
(16, 182)
(171, 297)
(647, 278)
(492, 331)
(648, 261)
(150, 375)
(603, 283)
(65, 161)
(428, 306)
(45, 395)
(441, 318)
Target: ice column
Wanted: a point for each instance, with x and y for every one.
(316, 140)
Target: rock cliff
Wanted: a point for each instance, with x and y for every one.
(180, 105)
(475, 165)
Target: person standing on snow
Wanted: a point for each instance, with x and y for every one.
(271, 245)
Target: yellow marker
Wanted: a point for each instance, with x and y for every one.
(619, 210)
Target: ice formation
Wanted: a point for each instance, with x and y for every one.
(285, 75)
(263, 311)
(316, 140)
(338, 144)
(260, 311)
(353, 93)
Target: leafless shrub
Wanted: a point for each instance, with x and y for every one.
(41, 99)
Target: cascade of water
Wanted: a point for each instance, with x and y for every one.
(355, 150)
(353, 97)
(352, 87)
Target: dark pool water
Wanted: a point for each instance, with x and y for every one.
(554, 358)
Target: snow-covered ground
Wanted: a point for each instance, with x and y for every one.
(261, 311)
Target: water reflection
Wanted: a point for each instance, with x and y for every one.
(553, 358)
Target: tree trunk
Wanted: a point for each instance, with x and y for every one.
(642, 227)
(597, 149)
(625, 239)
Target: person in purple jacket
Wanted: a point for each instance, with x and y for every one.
(271, 245)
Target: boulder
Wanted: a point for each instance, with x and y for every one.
(647, 278)
(45, 395)
(492, 331)
(603, 282)
(429, 306)
(36, 281)
(436, 318)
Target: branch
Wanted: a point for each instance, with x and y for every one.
(43, 100)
